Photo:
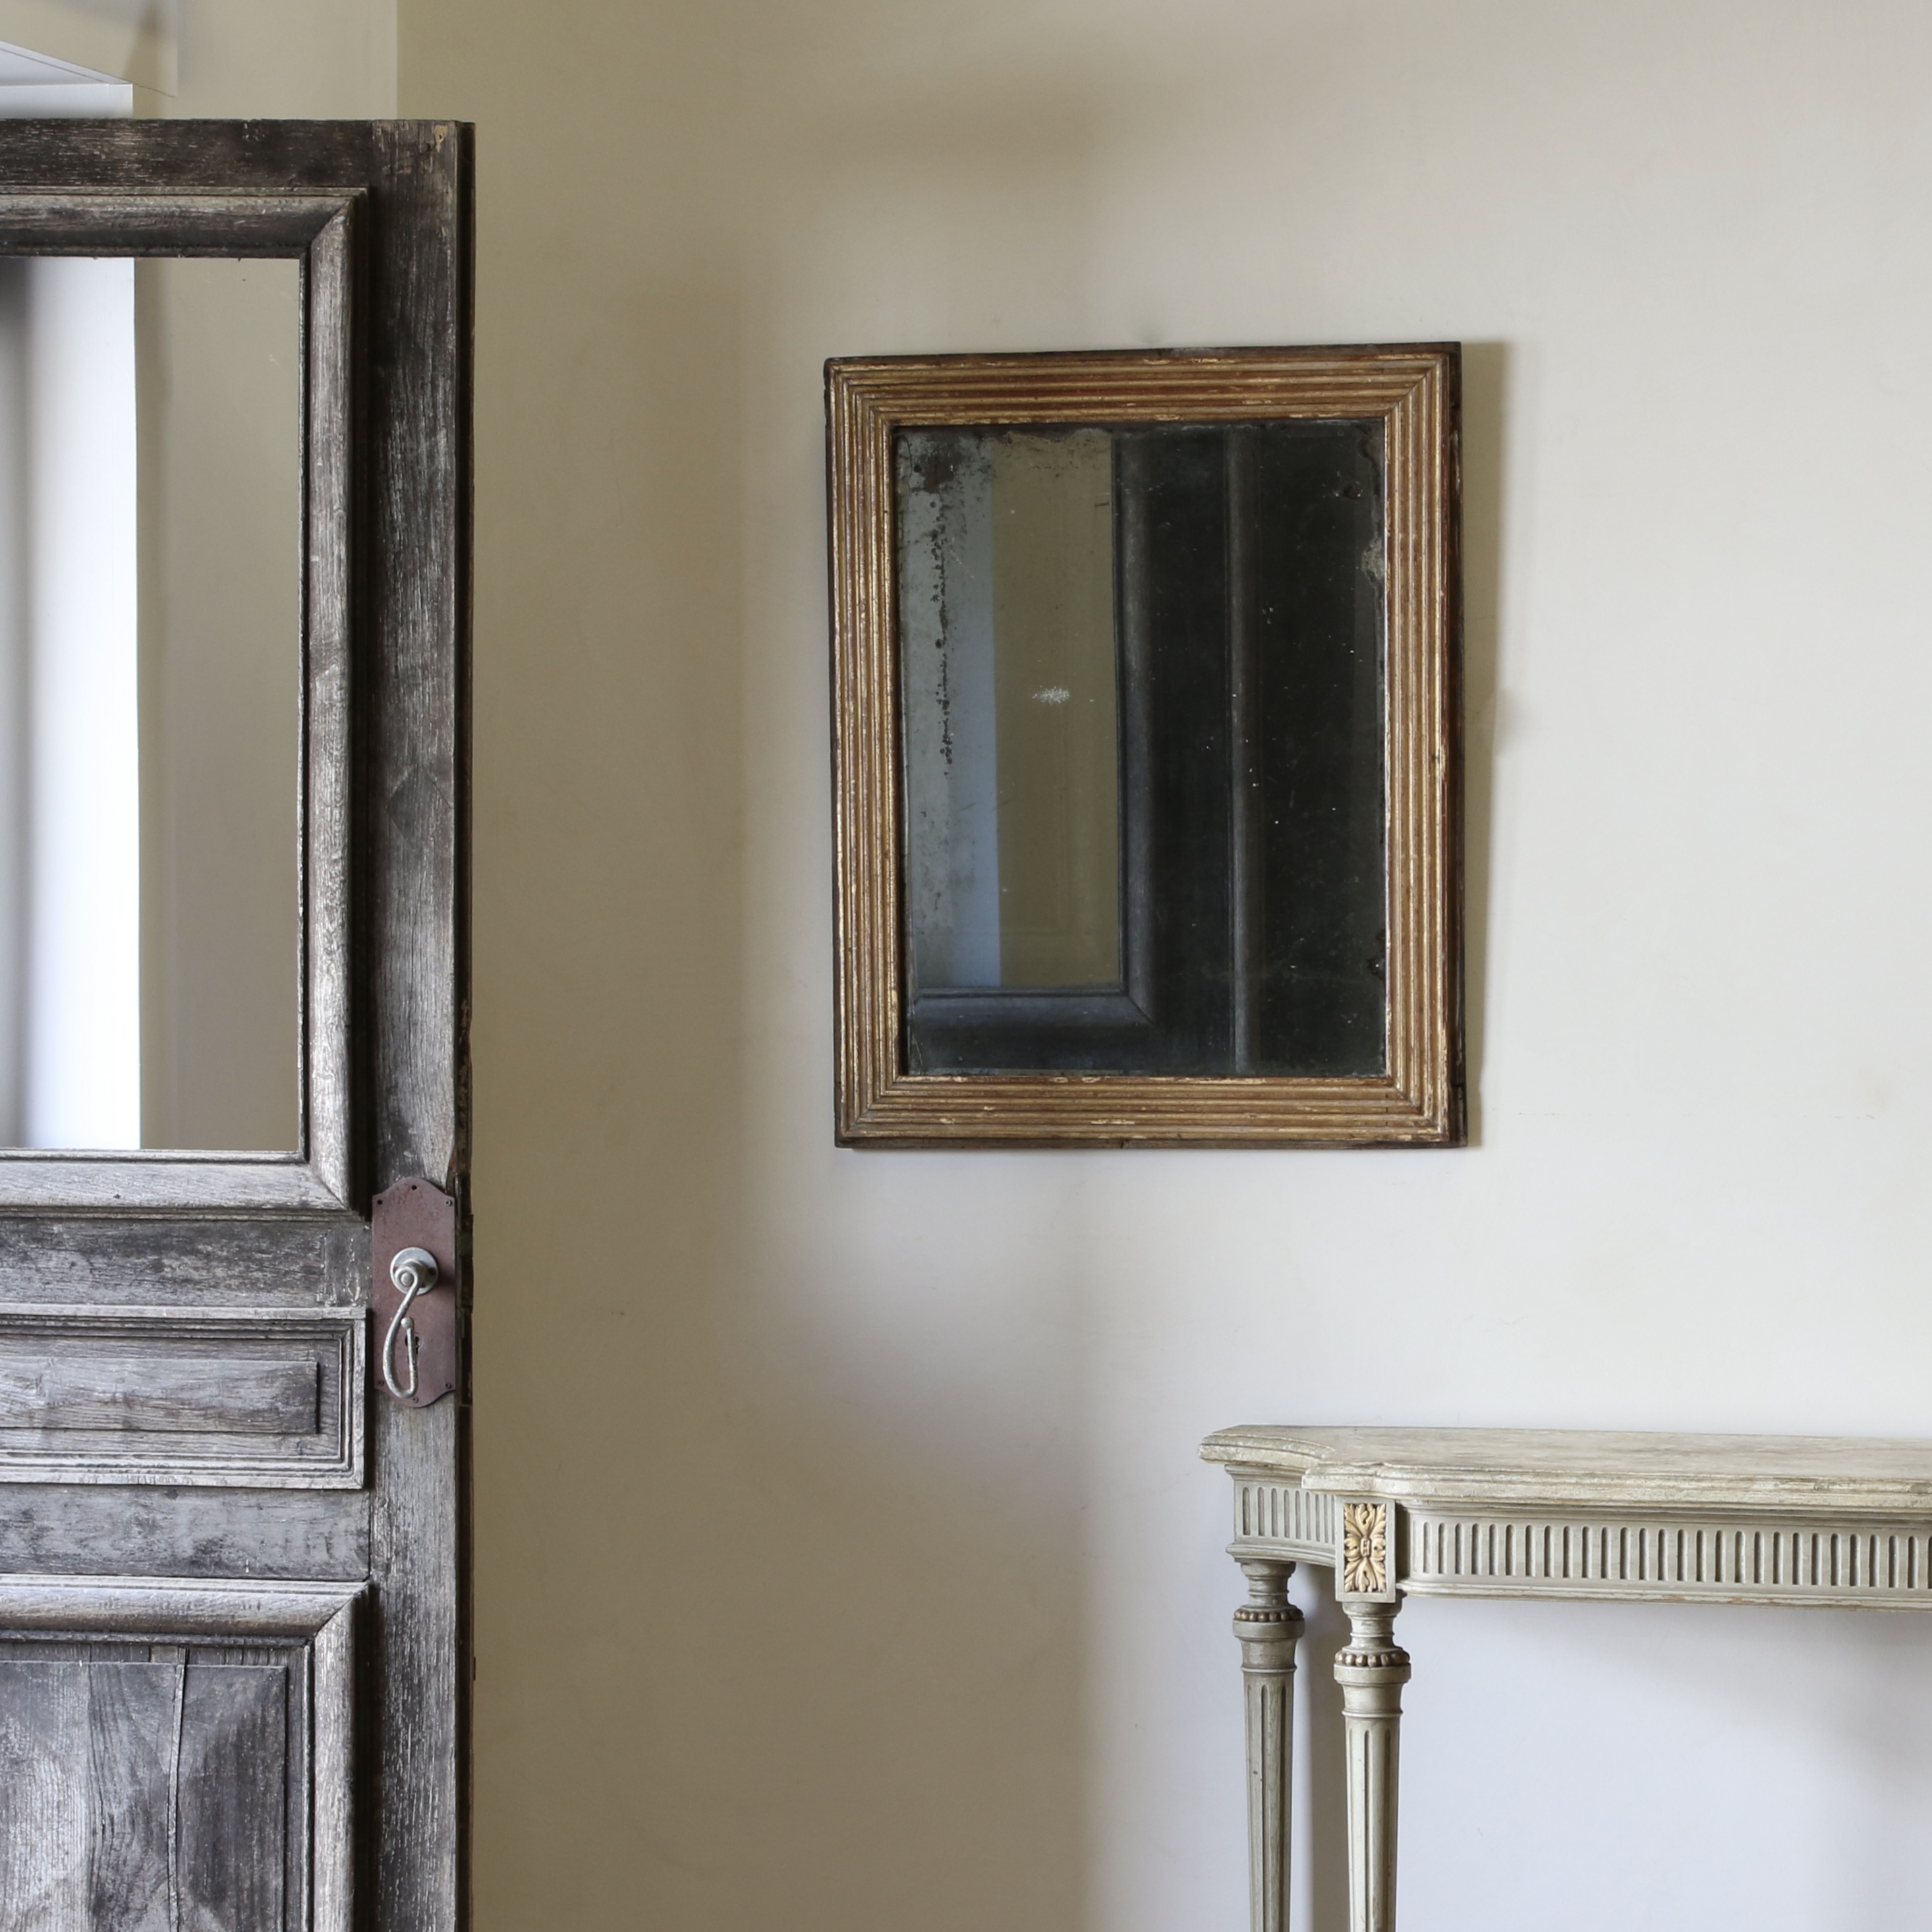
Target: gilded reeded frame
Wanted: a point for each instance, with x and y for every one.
(1413, 389)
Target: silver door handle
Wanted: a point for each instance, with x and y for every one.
(414, 1272)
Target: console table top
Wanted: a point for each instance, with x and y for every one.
(1856, 1475)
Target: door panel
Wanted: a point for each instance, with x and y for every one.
(165, 1781)
(216, 1539)
(147, 1785)
(264, 1399)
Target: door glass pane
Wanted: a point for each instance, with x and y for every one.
(150, 703)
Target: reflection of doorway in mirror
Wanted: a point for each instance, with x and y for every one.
(1054, 677)
(1006, 558)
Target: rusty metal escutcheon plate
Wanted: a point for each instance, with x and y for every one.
(417, 1213)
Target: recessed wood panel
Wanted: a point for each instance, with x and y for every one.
(158, 1791)
(68, 1528)
(255, 1390)
(173, 1757)
(264, 1399)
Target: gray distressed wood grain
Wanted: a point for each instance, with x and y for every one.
(187, 1261)
(331, 1747)
(176, 1754)
(154, 1796)
(328, 802)
(317, 229)
(134, 1608)
(147, 1183)
(255, 1393)
(231, 1848)
(43, 1751)
(419, 1783)
(421, 884)
(130, 1779)
(60, 1529)
(192, 1262)
(156, 222)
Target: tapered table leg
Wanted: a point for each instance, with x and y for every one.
(1372, 1671)
(1268, 1626)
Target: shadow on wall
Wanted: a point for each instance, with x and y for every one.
(1319, 1867)
(1486, 373)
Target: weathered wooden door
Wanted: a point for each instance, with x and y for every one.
(232, 1649)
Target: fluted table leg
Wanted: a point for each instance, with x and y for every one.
(1372, 1671)
(1268, 1626)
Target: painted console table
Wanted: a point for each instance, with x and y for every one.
(1839, 1522)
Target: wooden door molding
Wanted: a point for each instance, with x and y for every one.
(317, 230)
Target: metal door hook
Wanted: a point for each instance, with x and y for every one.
(413, 1249)
(414, 1272)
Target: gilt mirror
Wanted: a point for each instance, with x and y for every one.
(1145, 720)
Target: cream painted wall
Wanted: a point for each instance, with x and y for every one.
(322, 57)
(129, 40)
(843, 1562)
(221, 746)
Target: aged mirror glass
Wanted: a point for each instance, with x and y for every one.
(1147, 746)
(1141, 688)
(151, 576)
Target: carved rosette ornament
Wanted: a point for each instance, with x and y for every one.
(1364, 1549)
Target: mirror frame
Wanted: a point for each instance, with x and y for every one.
(1414, 391)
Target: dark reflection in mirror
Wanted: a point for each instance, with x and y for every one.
(1143, 721)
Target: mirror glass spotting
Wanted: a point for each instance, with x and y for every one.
(1146, 740)
(150, 676)
(1142, 709)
